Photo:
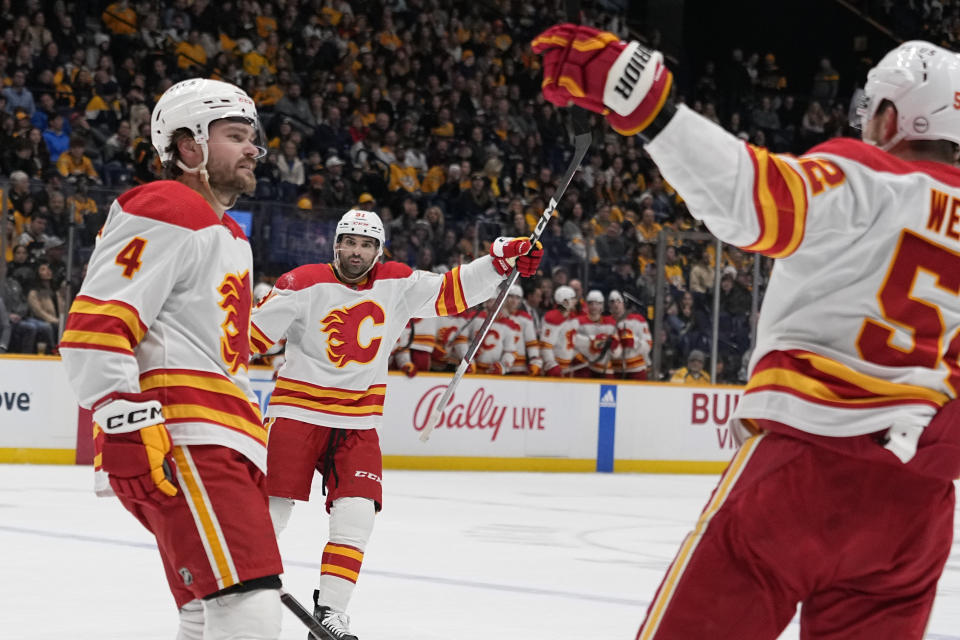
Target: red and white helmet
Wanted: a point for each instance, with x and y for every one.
(921, 80)
(193, 104)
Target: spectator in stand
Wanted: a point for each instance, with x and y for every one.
(45, 304)
(291, 171)
(701, 274)
(56, 136)
(826, 82)
(18, 95)
(75, 163)
(694, 372)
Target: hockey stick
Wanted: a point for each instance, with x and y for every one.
(316, 630)
(581, 143)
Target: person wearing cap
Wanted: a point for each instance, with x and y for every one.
(366, 202)
(631, 361)
(157, 346)
(694, 372)
(596, 339)
(556, 334)
(528, 360)
(341, 320)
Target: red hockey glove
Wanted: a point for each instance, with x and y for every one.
(136, 447)
(604, 342)
(409, 368)
(528, 264)
(555, 371)
(509, 251)
(626, 339)
(624, 81)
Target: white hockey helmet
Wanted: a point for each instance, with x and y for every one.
(595, 295)
(563, 294)
(921, 80)
(361, 223)
(193, 104)
(515, 290)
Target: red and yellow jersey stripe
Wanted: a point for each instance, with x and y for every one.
(259, 342)
(198, 396)
(451, 300)
(780, 200)
(107, 325)
(823, 381)
(329, 400)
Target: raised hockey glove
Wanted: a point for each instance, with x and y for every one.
(509, 251)
(136, 447)
(409, 368)
(624, 81)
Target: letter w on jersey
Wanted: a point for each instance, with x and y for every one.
(348, 339)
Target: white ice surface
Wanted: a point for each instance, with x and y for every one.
(454, 556)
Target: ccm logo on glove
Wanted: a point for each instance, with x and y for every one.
(123, 416)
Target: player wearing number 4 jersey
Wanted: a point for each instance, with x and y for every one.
(841, 495)
(157, 344)
(341, 321)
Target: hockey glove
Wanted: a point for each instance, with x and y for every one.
(533, 369)
(626, 338)
(604, 342)
(409, 368)
(509, 251)
(624, 81)
(555, 371)
(136, 447)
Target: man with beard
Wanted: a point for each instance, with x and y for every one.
(340, 321)
(157, 345)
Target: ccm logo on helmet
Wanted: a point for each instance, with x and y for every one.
(154, 415)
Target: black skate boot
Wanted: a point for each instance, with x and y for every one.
(335, 623)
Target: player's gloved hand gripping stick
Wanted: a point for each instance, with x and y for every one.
(500, 250)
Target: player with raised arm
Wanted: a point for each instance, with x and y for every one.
(841, 495)
(340, 321)
(157, 345)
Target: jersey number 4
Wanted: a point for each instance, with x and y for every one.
(922, 318)
(129, 257)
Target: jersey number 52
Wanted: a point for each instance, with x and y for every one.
(922, 318)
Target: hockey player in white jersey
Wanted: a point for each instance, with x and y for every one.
(596, 339)
(341, 321)
(630, 360)
(528, 361)
(498, 351)
(841, 495)
(157, 345)
(557, 332)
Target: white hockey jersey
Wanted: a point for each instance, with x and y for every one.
(165, 308)
(589, 342)
(339, 336)
(528, 351)
(556, 339)
(499, 346)
(860, 327)
(632, 354)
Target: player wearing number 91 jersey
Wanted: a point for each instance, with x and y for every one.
(841, 498)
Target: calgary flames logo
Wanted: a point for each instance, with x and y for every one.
(237, 301)
(343, 328)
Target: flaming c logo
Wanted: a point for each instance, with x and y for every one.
(343, 328)
(236, 300)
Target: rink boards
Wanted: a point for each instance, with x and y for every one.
(491, 423)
